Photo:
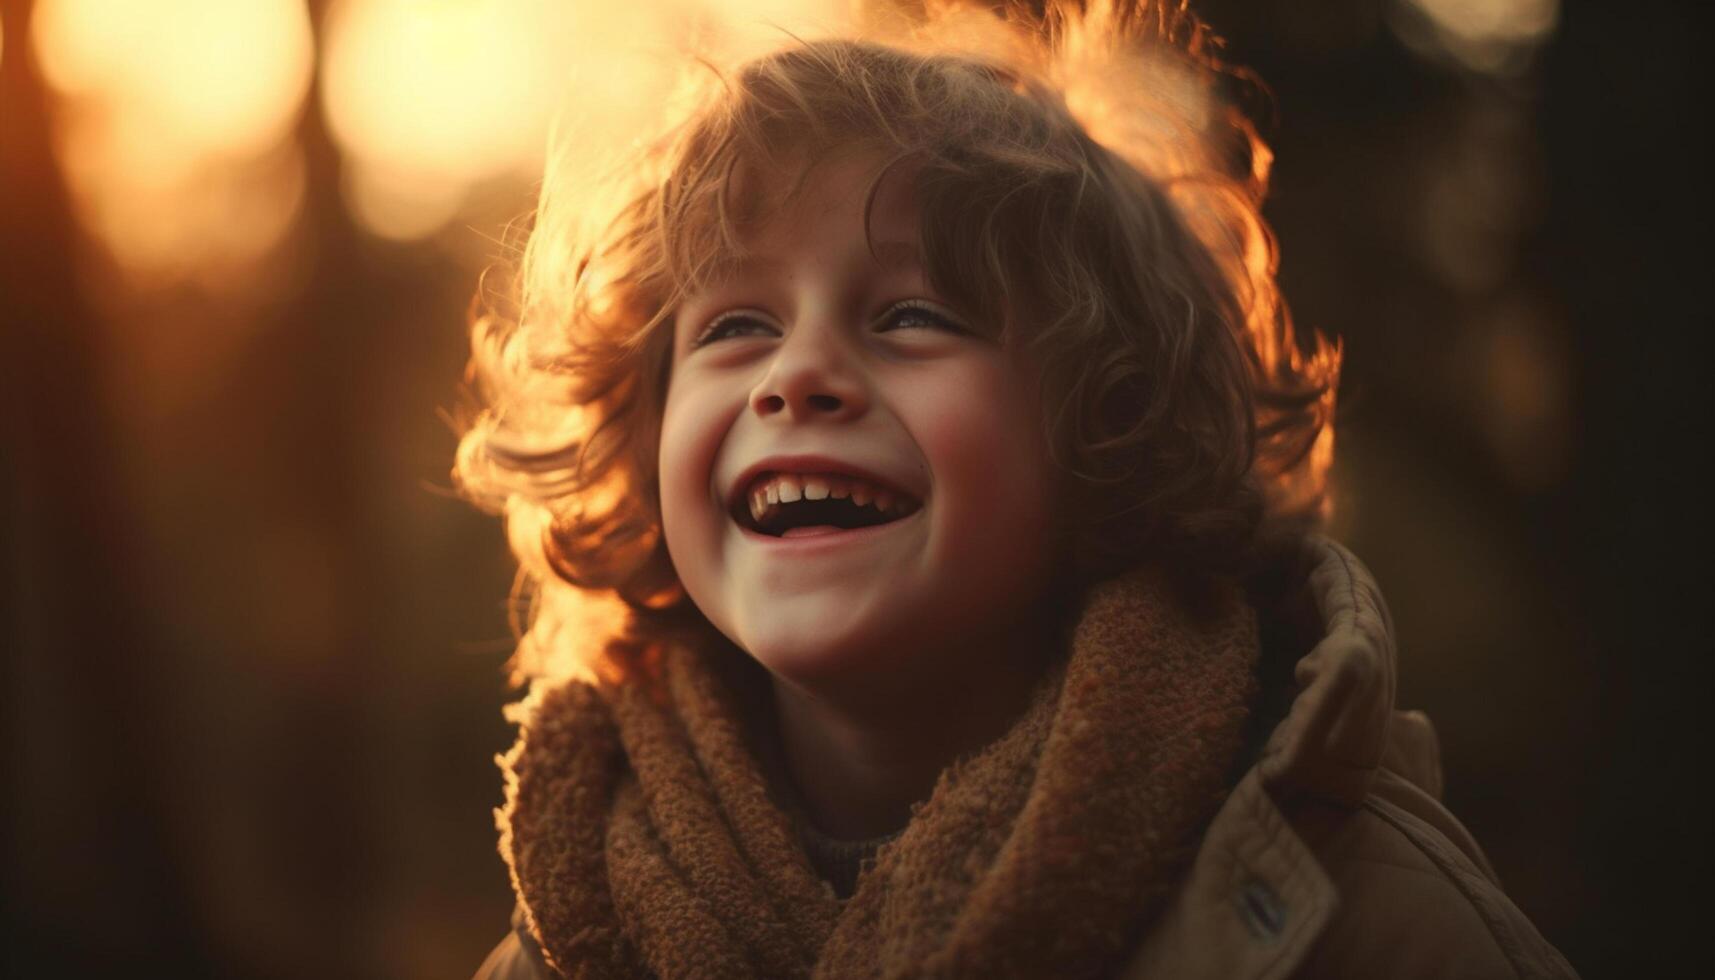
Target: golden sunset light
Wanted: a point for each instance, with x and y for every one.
(177, 130)
(806, 488)
(429, 100)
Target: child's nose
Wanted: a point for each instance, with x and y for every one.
(811, 376)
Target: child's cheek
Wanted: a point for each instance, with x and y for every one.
(977, 429)
(689, 443)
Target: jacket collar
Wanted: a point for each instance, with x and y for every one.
(1256, 899)
(1252, 906)
(1332, 738)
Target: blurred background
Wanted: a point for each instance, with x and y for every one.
(253, 643)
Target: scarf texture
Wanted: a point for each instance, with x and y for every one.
(643, 838)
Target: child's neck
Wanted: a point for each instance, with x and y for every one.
(857, 769)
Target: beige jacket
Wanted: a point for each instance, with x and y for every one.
(1332, 857)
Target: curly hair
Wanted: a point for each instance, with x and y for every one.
(1083, 185)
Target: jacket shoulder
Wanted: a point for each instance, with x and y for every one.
(517, 957)
(1417, 897)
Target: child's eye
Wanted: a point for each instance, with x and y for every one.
(720, 327)
(904, 313)
(918, 311)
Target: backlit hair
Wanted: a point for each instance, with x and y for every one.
(1086, 189)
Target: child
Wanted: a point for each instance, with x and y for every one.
(929, 410)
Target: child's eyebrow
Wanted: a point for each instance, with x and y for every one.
(896, 254)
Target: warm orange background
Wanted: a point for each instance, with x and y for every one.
(254, 645)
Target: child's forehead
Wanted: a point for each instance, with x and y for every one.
(864, 203)
(809, 182)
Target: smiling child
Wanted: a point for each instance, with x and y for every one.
(819, 371)
(928, 410)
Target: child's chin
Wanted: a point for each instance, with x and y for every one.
(820, 657)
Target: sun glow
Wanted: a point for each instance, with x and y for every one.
(430, 100)
(175, 129)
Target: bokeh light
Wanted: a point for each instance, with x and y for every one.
(1490, 36)
(176, 128)
(430, 100)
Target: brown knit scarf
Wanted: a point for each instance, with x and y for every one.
(643, 839)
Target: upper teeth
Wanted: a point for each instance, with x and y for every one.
(769, 492)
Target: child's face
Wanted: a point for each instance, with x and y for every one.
(818, 365)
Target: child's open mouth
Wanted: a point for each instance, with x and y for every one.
(815, 538)
(781, 505)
